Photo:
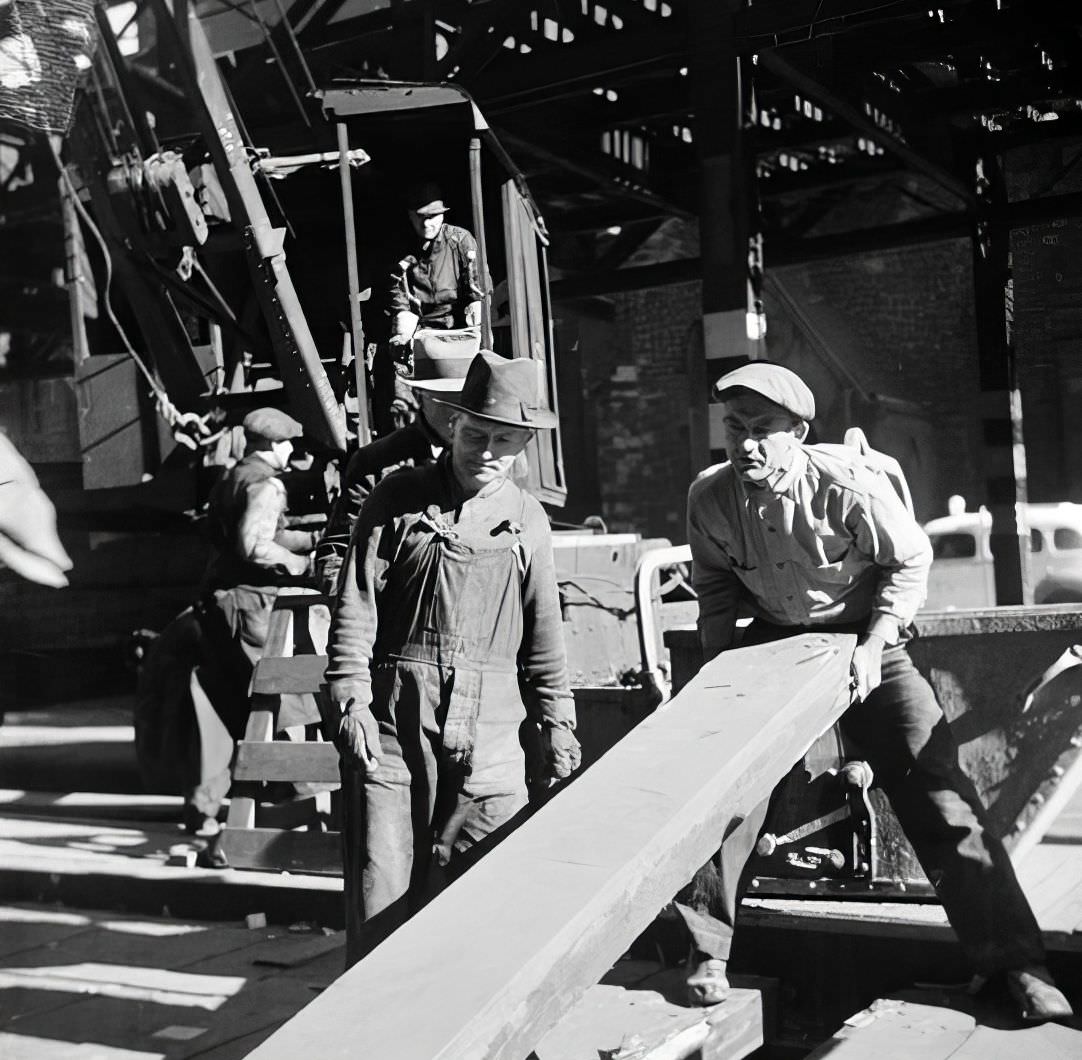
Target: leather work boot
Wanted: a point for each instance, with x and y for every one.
(707, 984)
(1037, 994)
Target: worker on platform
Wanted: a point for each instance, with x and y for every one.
(436, 283)
(255, 553)
(446, 650)
(434, 293)
(814, 537)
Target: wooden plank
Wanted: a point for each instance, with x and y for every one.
(279, 640)
(591, 869)
(890, 1029)
(295, 673)
(272, 850)
(286, 760)
(260, 727)
(297, 813)
(633, 1021)
(899, 1029)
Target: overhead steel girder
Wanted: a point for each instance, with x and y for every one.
(309, 390)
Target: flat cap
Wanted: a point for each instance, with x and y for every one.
(272, 424)
(773, 382)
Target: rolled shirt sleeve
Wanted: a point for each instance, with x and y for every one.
(886, 532)
(712, 576)
(355, 623)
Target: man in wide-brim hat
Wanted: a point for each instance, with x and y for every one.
(447, 641)
(440, 372)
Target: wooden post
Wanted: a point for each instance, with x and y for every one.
(720, 90)
(494, 961)
(477, 203)
(364, 434)
(1004, 454)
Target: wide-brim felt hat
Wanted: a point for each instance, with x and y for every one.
(504, 390)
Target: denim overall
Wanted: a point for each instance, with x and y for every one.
(445, 692)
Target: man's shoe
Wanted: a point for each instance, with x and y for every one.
(1037, 995)
(707, 984)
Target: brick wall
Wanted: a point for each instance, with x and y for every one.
(887, 341)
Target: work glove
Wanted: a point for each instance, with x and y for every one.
(358, 735)
(563, 755)
(405, 324)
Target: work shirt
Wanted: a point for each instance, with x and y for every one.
(829, 543)
(409, 445)
(246, 511)
(439, 281)
(424, 581)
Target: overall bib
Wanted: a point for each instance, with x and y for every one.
(445, 693)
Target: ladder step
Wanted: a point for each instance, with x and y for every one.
(293, 673)
(319, 853)
(286, 760)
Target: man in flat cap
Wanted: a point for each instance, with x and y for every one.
(201, 663)
(255, 553)
(446, 650)
(815, 537)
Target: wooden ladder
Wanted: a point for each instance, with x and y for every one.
(299, 835)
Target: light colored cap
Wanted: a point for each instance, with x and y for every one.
(272, 424)
(773, 382)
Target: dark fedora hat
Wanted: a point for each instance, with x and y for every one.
(425, 198)
(504, 390)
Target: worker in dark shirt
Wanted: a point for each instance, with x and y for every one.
(254, 551)
(436, 283)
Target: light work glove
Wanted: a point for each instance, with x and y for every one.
(405, 324)
(358, 735)
(563, 754)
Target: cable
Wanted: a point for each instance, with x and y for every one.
(180, 423)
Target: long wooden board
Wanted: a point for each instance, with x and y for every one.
(494, 961)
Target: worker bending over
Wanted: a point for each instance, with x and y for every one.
(446, 642)
(813, 537)
(246, 515)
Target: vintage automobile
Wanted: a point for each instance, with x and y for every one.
(962, 568)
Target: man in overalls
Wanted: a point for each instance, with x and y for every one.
(446, 646)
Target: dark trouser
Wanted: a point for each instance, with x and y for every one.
(903, 734)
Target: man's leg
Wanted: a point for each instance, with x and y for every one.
(398, 802)
(708, 906)
(911, 750)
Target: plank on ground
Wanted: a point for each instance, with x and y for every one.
(900, 1029)
(499, 957)
(635, 1020)
(273, 850)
